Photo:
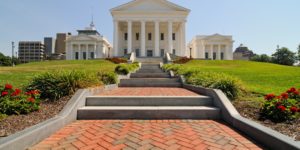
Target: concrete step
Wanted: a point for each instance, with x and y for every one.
(150, 82)
(154, 112)
(149, 60)
(149, 101)
(150, 85)
(150, 67)
(150, 75)
(150, 71)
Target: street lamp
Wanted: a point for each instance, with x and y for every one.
(190, 52)
(12, 53)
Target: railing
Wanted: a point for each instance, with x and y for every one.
(132, 57)
(168, 58)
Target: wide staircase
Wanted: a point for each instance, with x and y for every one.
(149, 107)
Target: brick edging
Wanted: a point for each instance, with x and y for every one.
(263, 135)
(37, 133)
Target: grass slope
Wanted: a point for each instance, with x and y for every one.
(22, 74)
(257, 77)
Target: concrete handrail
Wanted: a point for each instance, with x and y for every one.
(132, 57)
(169, 59)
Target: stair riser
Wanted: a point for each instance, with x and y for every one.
(148, 101)
(150, 71)
(144, 75)
(147, 114)
(150, 85)
(151, 67)
(157, 80)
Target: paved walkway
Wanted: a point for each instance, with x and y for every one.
(149, 91)
(147, 134)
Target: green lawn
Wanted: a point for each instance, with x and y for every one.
(22, 74)
(257, 77)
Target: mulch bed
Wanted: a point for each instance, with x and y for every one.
(15, 123)
(249, 111)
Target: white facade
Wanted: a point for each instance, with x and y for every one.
(214, 47)
(150, 28)
(88, 44)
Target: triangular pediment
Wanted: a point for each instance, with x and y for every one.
(149, 5)
(218, 37)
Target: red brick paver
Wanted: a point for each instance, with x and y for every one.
(147, 134)
(148, 91)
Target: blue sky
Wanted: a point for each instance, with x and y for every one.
(259, 24)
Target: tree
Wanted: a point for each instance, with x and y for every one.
(284, 56)
(299, 52)
(261, 58)
(5, 60)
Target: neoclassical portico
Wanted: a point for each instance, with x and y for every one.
(149, 28)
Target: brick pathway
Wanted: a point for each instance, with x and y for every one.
(146, 134)
(149, 91)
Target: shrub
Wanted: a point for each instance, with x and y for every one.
(125, 69)
(108, 77)
(54, 85)
(182, 60)
(281, 108)
(173, 67)
(117, 60)
(231, 86)
(14, 101)
(122, 69)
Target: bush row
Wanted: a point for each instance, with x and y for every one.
(54, 85)
(117, 60)
(230, 85)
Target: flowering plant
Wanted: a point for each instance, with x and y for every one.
(283, 107)
(15, 101)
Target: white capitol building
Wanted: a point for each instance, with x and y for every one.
(150, 28)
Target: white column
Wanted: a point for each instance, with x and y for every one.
(86, 52)
(219, 52)
(157, 54)
(143, 40)
(170, 39)
(116, 38)
(71, 51)
(129, 38)
(212, 52)
(95, 50)
(183, 42)
(80, 52)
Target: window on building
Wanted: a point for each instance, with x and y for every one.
(125, 36)
(137, 36)
(222, 56)
(174, 36)
(92, 55)
(206, 55)
(214, 56)
(174, 51)
(125, 51)
(162, 36)
(84, 55)
(162, 53)
(149, 36)
(76, 55)
(137, 52)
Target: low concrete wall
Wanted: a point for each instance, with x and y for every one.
(263, 135)
(39, 132)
